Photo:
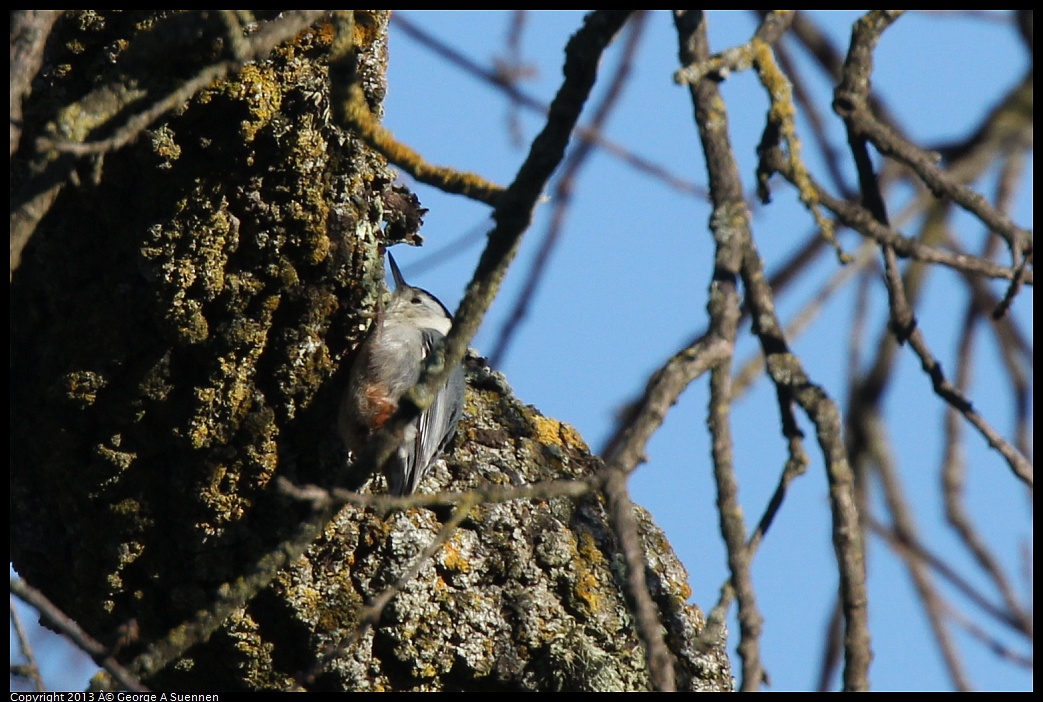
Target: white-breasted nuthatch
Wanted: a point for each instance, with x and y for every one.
(388, 363)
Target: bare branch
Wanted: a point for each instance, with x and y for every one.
(649, 626)
(353, 111)
(905, 528)
(519, 97)
(905, 328)
(29, 670)
(862, 221)
(951, 576)
(64, 624)
(953, 466)
(626, 448)
(850, 103)
(562, 198)
(730, 226)
(29, 32)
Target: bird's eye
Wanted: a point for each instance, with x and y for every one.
(416, 300)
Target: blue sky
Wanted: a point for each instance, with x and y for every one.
(627, 284)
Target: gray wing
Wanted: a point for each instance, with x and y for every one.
(436, 427)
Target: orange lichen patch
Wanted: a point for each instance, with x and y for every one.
(453, 559)
(551, 432)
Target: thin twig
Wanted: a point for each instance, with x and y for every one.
(804, 317)
(352, 110)
(517, 96)
(649, 626)
(862, 221)
(28, 38)
(730, 227)
(1002, 650)
(814, 117)
(385, 503)
(906, 329)
(905, 528)
(511, 70)
(626, 449)
(953, 465)
(30, 669)
(562, 198)
(62, 623)
(850, 102)
(941, 183)
(951, 576)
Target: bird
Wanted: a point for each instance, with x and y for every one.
(387, 364)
